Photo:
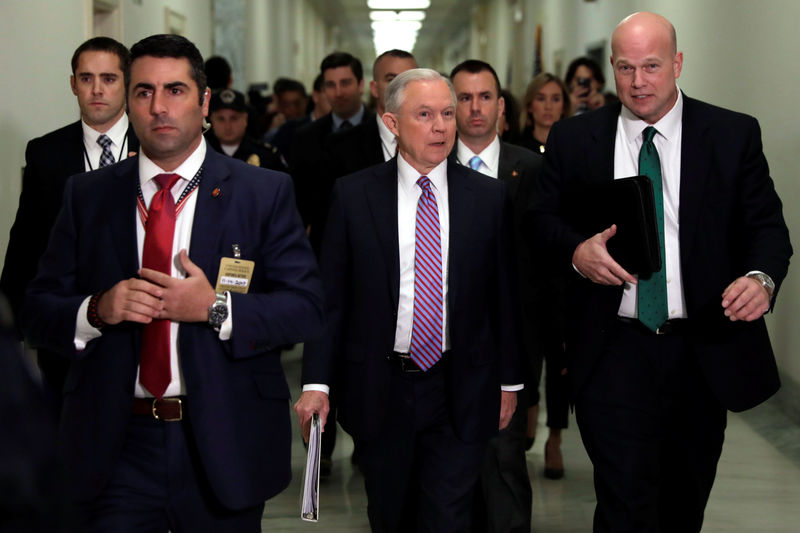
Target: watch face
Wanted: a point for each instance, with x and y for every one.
(217, 314)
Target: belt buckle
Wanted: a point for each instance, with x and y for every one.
(168, 400)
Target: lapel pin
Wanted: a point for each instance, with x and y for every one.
(514, 173)
(216, 193)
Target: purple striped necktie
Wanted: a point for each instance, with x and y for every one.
(426, 333)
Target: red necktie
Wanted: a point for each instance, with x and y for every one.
(154, 371)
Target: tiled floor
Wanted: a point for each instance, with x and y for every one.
(757, 488)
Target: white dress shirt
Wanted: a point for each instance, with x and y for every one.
(84, 332)
(626, 163)
(490, 157)
(118, 133)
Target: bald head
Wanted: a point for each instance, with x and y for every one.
(646, 64)
(648, 23)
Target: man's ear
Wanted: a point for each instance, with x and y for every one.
(390, 120)
(72, 85)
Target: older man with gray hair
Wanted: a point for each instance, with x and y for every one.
(421, 336)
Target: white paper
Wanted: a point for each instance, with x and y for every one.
(309, 510)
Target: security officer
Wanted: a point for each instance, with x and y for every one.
(228, 115)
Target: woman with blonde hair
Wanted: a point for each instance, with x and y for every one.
(546, 101)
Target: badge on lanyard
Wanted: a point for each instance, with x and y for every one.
(235, 273)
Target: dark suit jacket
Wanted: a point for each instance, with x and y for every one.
(237, 396)
(49, 161)
(731, 223)
(361, 276)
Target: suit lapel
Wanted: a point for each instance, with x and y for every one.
(507, 170)
(600, 153)
(694, 171)
(214, 195)
(123, 219)
(462, 210)
(381, 195)
(74, 153)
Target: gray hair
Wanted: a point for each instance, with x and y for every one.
(395, 92)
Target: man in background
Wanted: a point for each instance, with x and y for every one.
(503, 495)
(228, 134)
(101, 137)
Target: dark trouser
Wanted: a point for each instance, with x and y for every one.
(158, 485)
(503, 495)
(418, 474)
(653, 431)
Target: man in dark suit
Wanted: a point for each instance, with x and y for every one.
(421, 334)
(97, 81)
(371, 142)
(362, 146)
(503, 495)
(343, 83)
(175, 411)
(656, 359)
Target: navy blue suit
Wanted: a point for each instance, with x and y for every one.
(361, 275)
(237, 396)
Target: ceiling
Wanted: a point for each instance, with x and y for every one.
(351, 23)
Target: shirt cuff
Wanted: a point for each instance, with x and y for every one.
(226, 329)
(317, 386)
(512, 388)
(84, 332)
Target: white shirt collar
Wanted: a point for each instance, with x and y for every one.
(668, 127)
(116, 133)
(148, 169)
(490, 156)
(408, 175)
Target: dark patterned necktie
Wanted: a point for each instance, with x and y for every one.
(652, 291)
(107, 157)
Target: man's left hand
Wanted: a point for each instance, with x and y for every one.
(185, 300)
(508, 404)
(745, 299)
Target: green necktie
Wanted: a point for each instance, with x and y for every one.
(652, 291)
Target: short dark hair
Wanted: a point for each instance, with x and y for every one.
(174, 46)
(342, 59)
(588, 62)
(318, 81)
(287, 85)
(476, 66)
(218, 72)
(394, 52)
(103, 44)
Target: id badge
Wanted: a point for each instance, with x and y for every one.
(234, 275)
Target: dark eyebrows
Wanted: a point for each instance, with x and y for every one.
(174, 84)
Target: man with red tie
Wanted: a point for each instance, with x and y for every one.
(420, 344)
(176, 408)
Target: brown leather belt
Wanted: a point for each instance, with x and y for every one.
(166, 409)
(676, 326)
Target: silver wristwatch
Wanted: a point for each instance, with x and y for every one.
(764, 280)
(218, 311)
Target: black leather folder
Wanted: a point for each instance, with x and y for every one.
(628, 203)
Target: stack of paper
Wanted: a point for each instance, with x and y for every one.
(310, 507)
